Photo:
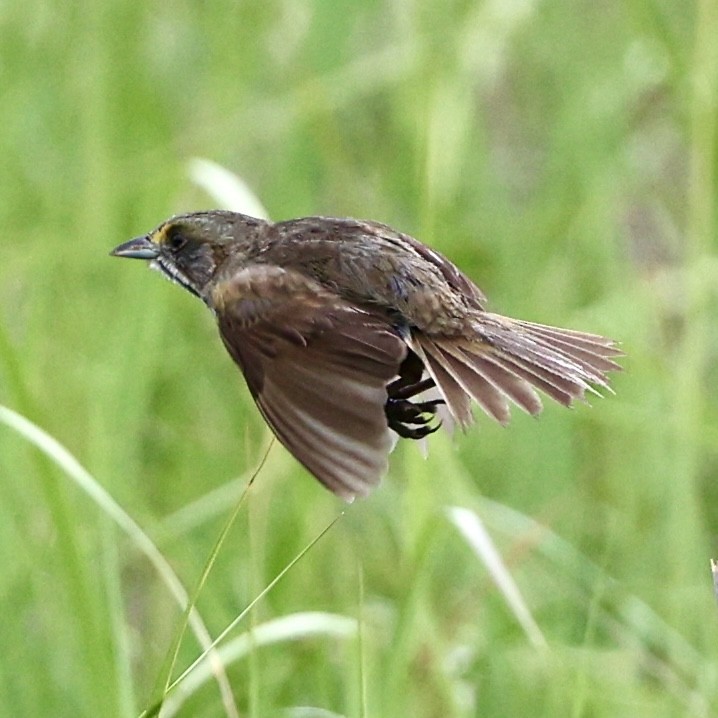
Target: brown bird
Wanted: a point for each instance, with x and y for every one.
(347, 331)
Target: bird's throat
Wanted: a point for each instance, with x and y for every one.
(172, 273)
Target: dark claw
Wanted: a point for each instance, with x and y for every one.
(419, 433)
(406, 391)
(407, 412)
(400, 412)
(411, 420)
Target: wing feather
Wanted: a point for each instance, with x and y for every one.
(318, 368)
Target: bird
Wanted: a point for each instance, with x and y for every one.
(351, 334)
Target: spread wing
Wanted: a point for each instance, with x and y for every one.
(317, 367)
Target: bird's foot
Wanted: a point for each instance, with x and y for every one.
(412, 420)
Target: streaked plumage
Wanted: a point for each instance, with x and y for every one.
(346, 330)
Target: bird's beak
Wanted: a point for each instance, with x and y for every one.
(137, 248)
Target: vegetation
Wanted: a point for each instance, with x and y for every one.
(562, 153)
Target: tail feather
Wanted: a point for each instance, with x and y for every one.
(560, 389)
(473, 382)
(565, 360)
(593, 357)
(504, 382)
(594, 343)
(508, 359)
(593, 364)
(507, 381)
(457, 399)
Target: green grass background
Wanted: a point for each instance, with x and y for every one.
(563, 153)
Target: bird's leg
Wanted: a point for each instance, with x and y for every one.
(410, 373)
(400, 412)
(407, 391)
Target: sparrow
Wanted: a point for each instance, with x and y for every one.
(350, 333)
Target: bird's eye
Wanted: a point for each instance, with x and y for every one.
(175, 239)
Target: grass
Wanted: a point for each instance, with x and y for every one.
(564, 155)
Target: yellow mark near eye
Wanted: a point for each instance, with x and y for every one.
(159, 236)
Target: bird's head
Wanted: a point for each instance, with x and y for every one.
(190, 248)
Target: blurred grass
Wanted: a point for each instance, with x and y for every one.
(562, 153)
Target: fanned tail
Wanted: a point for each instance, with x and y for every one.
(508, 360)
